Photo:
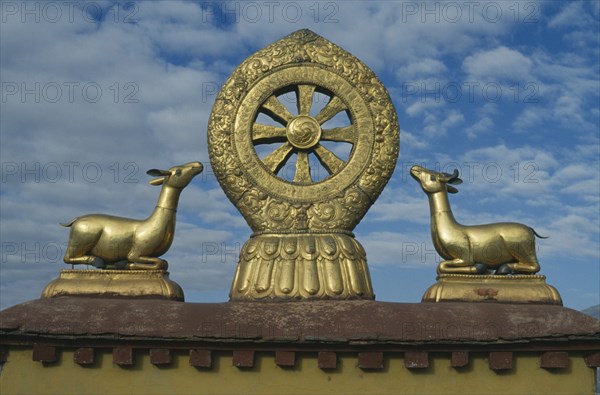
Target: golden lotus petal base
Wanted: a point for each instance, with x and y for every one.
(114, 283)
(492, 288)
(302, 266)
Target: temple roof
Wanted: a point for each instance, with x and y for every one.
(303, 324)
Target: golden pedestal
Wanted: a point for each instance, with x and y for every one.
(492, 288)
(153, 284)
(302, 266)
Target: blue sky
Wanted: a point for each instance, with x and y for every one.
(96, 93)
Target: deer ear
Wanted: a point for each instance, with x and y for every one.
(451, 189)
(455, 181)
(156, 181)
(156, 172)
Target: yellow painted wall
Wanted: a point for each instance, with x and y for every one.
(21, 375)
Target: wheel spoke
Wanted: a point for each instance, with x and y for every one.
(276, 110)
(344, 134)
(328, 159)
(334, 106)
(276, 159)
(304, 97)
(302, 168)
(267, 134)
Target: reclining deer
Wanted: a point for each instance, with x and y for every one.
(507, 247)
(124, 243)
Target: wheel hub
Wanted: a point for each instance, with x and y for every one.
(303, 132)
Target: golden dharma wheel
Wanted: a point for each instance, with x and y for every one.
(302, 134)
(303, 138)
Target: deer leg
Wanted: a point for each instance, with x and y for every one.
(77, 254)
(527, 267)
(146, 263)
(526, 260)
(457, 266)
(463, 263)
(527, 263)
(85, 260)
(519, 267)
(120, 265)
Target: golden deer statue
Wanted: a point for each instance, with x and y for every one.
(124, 243)
(507, 247)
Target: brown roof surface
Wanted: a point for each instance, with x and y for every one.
(349, 323)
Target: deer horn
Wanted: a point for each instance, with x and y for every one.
(445, 177)
(455, 180)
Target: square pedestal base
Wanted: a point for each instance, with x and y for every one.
(114, 283)
(492, 288)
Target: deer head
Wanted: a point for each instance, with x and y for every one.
(177, 176)
(432, 181)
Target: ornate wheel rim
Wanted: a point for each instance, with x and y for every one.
(301, 134)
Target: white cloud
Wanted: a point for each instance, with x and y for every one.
(572, 235)
(564, 88)
(412, 141)
(511, 170)
(422, 107)
(397, 205)
(420, 68)
(404, 249)
(484, 125)
(433, 126)
(572, 13)
(498, 64)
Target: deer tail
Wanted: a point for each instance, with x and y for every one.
(536, 233)
(67, 224)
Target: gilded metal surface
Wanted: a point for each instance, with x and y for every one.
(505, 247)
(114, 242)
(492, 288)
(122, 283)
(302, 266)
(284, 162)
